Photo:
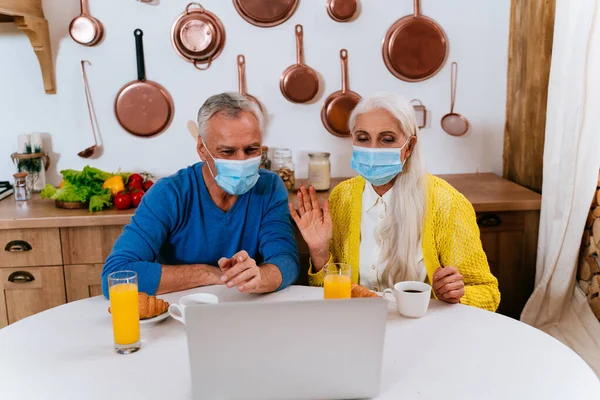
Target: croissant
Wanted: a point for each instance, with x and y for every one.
(150, 306)
(361, 291)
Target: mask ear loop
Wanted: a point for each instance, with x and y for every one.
(207, 164)
(404, 145)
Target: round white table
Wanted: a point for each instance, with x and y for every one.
(453, 352)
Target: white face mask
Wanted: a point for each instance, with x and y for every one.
(236, 177)
(378, 166)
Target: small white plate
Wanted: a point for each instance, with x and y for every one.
(156, 319)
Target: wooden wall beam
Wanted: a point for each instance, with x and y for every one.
(29, 17)
(529, 55)
(22, 8)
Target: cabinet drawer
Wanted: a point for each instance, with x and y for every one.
(30, 247)
(28, 291)
(501, 221)
(88, 245)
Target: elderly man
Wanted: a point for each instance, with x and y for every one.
(220, 221)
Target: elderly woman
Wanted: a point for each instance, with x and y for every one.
(395, 222)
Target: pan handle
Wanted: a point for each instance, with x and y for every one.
(453, 77)
(417, 8)
(196, 63)
(344, 58)
(139, 52)
(187, 9)
(88, 99)
(84, 7)
(299, 44)
(241, 61)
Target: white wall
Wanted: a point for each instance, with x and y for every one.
(477, 31)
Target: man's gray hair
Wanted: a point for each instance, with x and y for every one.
(229, 105)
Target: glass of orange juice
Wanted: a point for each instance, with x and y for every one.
(337, 281)
(123, 294)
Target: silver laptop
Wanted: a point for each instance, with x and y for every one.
(313, 349)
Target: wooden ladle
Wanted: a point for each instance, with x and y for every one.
(90, 151)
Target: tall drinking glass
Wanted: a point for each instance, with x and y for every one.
(337, 281)
(123, 293)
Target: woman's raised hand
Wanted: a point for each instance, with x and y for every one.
(314, 224)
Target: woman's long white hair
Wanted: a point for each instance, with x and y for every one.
(399, 236)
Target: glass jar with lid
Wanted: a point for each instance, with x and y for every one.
(284, 166)
(22, 186)
(319, 171)
(265, 161)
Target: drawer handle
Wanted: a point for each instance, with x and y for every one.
(489, 220)
(21, 277)
(16, 246)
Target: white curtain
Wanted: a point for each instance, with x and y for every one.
(571, 163)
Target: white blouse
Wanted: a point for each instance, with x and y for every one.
(374, 211)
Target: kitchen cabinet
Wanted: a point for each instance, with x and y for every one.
(83, 281)
(64, 250)
(88, 244)
(504, 240)
(30, 290)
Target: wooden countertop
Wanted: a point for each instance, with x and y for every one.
(487, 192)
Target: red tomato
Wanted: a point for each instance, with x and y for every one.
(147, 185)
(135, 178)
(136, 198)
(122, 201)
(134, 187)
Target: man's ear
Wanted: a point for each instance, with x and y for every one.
(201, 149)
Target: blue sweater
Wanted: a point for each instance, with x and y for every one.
(178, 223)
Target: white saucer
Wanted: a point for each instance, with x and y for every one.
(156, 319)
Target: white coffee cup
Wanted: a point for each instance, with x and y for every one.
(177, 310)
(411, 297)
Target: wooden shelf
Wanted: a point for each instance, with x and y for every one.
(28, 15)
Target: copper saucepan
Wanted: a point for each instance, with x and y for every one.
(415, 47)
(85, 29)
(198, 36)
(342, 10)
(266, 13)
(337, 108)
(143, 108)
(299, 83)
(241, 62)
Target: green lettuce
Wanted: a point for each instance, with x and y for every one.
(83, 186)
(48, 192)
(99, 202)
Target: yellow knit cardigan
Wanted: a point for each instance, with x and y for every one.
(450, 238)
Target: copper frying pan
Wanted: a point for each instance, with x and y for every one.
(143, 108)
(85, 29)
(198, 36)
(299, 82)
(337, 108)
(241, 62)
(341, 10)
(415, 47)
(266, 13)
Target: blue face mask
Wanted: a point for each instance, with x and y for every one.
(236, 177)
(378, 166)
